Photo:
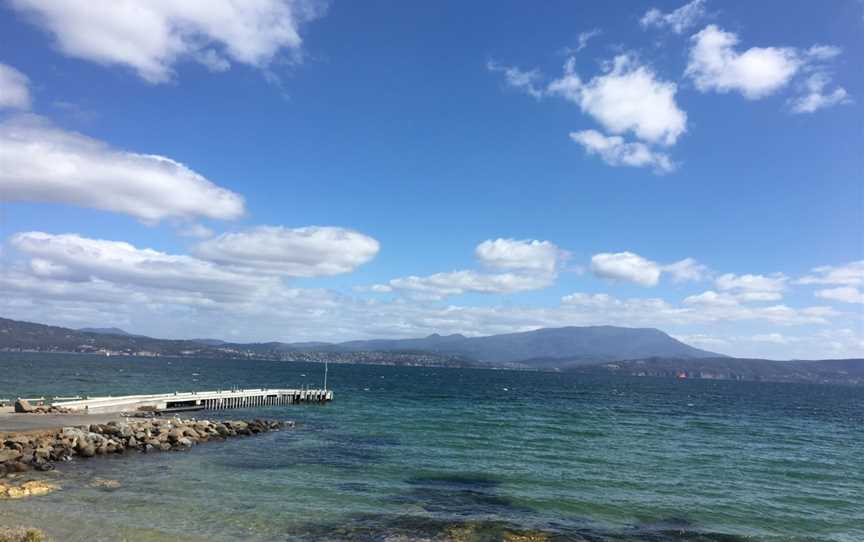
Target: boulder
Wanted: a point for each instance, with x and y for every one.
(88, 450)
(27, 489)
(24, 406)
(7, 454)
(16, 466)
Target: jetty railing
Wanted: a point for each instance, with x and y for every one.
(199, 400)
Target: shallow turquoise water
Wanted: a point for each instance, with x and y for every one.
(412, 452)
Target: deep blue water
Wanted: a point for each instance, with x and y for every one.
(466, 454)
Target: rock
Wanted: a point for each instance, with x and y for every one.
(164, 446)
(105, 483)
(186, 442)
(21, 534)
(16, 466)
(24, 406)
(87, 450)
(7, 454)
(43, 454)
(31, 488)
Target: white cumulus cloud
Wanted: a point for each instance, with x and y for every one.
(151, 37)
(630, 267)
(845, 294)
(525, 265)
(687, 270)
(77, 259)
(677, 20)
(849, 274)
(43, 163)
(513, 254)
(752, 283)
(615, 151)
(715, 64)
(815, 97)
(626, 266)
(14, 88)
(300, 252)
(627, 97)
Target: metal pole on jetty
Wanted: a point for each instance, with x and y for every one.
(325, 376)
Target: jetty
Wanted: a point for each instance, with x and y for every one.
(195, 400)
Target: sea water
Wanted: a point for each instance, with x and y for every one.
(411, 453)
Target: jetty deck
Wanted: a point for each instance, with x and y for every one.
(197, 400)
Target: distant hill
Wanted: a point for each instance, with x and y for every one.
(105, 331)
(549, 347)
(837, 371)
(541, 347)
(590, 350)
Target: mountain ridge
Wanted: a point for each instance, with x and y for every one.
(594, 342)
(444, 351)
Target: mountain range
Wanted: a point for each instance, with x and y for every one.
(622, 350)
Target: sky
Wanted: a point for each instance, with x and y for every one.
(296, 170)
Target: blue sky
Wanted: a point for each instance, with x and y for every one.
(353, 170)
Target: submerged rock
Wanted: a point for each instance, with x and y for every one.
(21, 534)
(105, 483)
(27, 489)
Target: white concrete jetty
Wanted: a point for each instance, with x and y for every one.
(198, 400)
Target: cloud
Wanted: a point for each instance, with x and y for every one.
(845, 294)
(311, 251)
(441, 285)
(678, 20)
(776, 338)
(752, 283)
(714, 64)
(598, 301)
(687, 270)
(759, 296)
(851, 274)
(14, 88)
(585, 37)
(815, 97)
(720, 306)
(525, 255)
(151, 37)
(73, 280)
(528, 265)
(630, 267)
(71, 258)
(626, 266)
(627, 97)
(198, 231)
(41, 162)
(712, 299)
(823, 52)
(616, 152)
(525, 81)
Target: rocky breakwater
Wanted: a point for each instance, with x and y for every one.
(21, 452)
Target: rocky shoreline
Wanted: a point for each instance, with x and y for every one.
(39, 450)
